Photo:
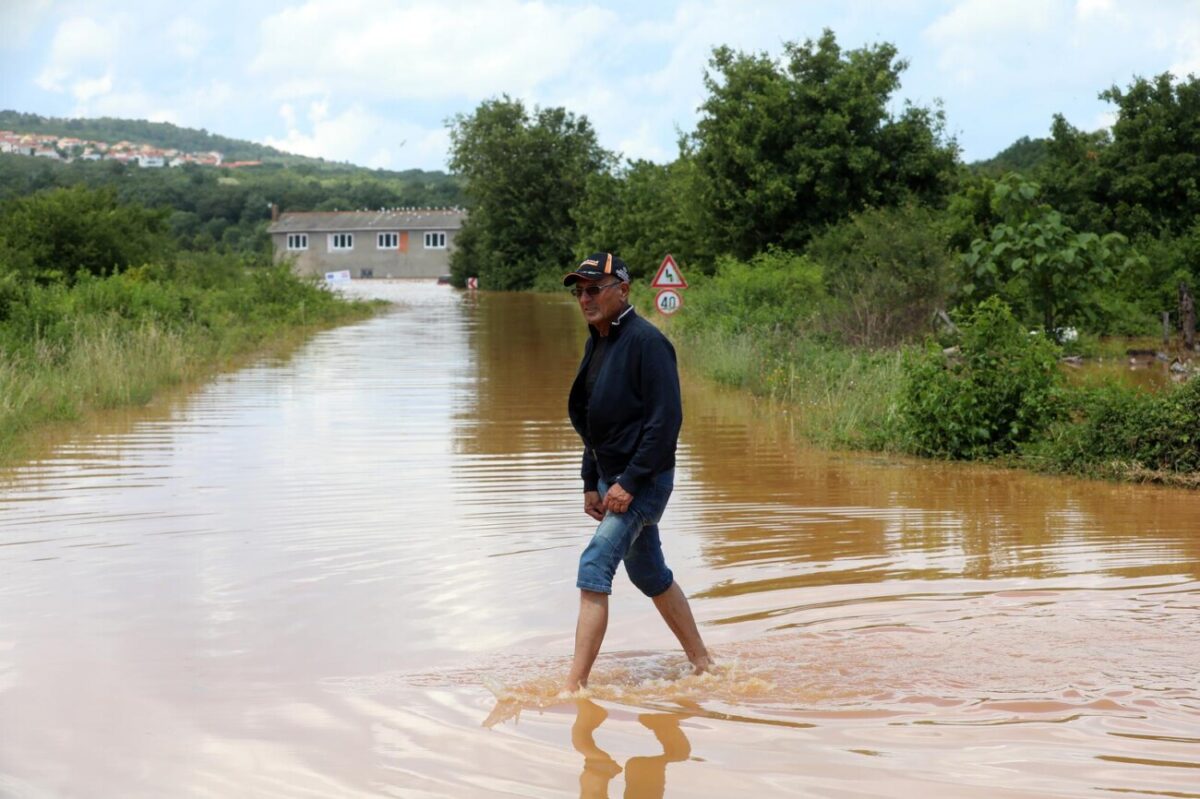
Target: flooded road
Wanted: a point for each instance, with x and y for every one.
(351, 573)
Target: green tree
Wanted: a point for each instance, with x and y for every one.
(786, 149)
(1070, 175)
(643, 211)
(65, 233)
(1151, 172)
(1035, 259)
(1142, 177)
(525, 173)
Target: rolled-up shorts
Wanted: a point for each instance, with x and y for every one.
(630, 537)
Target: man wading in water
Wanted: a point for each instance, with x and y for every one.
(625, 405)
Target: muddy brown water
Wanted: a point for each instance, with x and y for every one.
(351, 573)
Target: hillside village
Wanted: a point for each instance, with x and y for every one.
(70, 148)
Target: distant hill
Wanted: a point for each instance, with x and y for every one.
(208, 207)
(165, 135)
(1024, 156)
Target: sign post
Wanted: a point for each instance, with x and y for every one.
(669, 281)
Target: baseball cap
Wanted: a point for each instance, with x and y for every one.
(596, 266)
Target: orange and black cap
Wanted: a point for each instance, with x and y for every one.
(597, 266)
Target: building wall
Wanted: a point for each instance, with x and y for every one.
(416, 262)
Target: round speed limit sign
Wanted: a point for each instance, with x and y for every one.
(668, 301)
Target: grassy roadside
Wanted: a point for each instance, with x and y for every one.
(67, 352)
(839, 397)
(998, 399)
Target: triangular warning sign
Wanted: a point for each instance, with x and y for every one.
(669, 276)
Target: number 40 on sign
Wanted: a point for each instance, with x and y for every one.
(668, 301)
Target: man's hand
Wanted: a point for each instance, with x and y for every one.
(617, 499)
(592, 505)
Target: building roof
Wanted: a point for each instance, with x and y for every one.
(383, 219)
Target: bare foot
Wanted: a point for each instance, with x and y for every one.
(703, 664)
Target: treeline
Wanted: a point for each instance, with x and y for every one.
(808, 154)
(209, 208)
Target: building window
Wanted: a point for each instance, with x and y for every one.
(297, 241)
(341, 242)
(388, 241)
(435, 241)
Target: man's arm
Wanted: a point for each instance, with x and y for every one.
(664, 415)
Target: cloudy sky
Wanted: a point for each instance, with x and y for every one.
(373, 81)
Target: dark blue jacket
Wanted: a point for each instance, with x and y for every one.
(630, 427)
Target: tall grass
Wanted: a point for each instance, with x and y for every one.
(837, 396)
(106, 343)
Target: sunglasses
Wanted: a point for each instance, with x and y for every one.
(591, 291)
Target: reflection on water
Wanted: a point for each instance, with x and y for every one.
(645, 777)
(351, 572)
(1142, 372)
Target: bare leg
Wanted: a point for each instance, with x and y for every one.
(677, 613)
(589, 634)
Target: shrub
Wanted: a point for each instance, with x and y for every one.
(774, 289)
(1126, 427)
(888, 270)
(1002, 389)
(65, 233)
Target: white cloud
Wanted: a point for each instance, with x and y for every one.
(974, 18)
(88, 88)
(637, 111)
(80, 44)
(130, 104)
(645, 142)
(359, 136)
(1085, 9)
(981, 38)
(19, 19)
(1187, 49)
(423, 49)
(187, 37)
(216, 96)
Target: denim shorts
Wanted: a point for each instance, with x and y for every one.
(631, 537)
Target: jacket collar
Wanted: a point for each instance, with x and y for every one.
(614, 329)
